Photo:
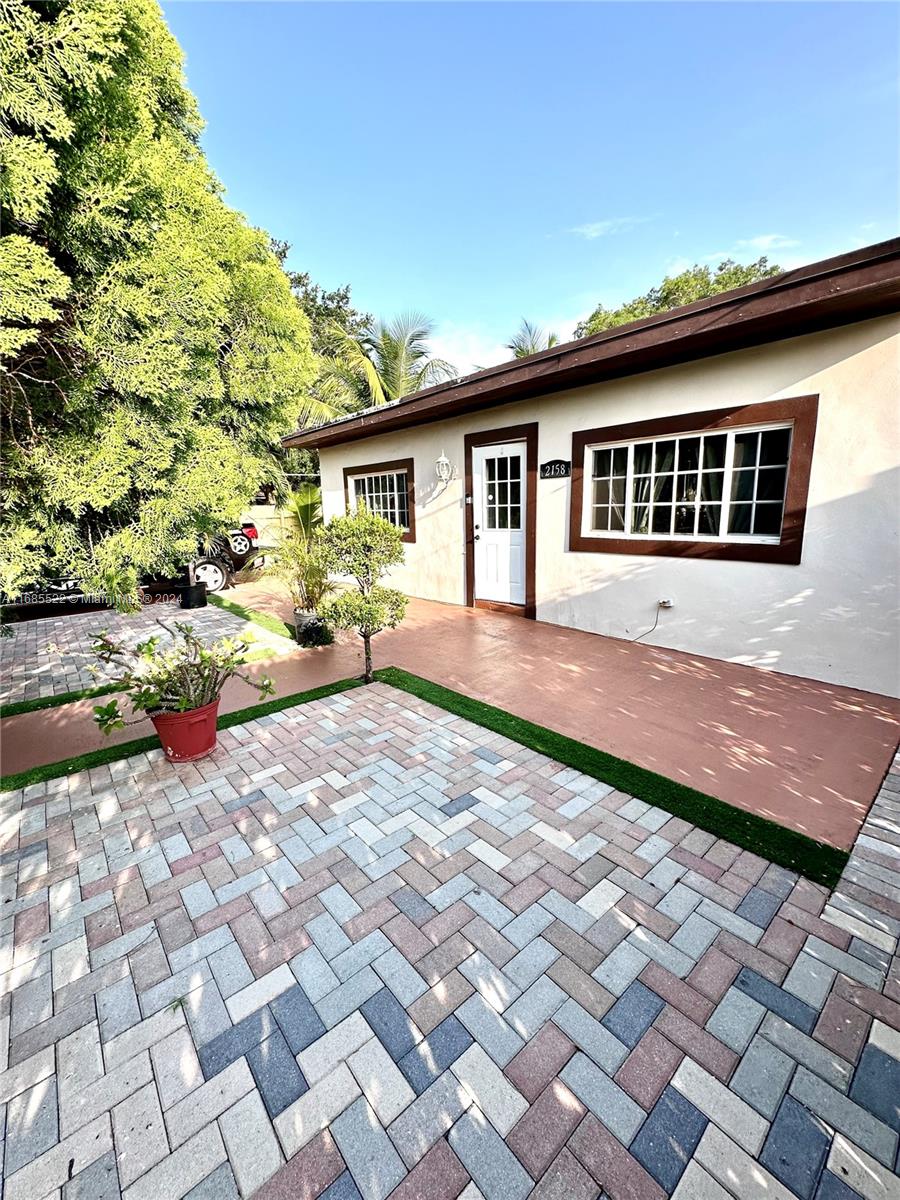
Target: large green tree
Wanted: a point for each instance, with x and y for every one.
(332, 319)
(330, 313)
(152, 351)
(696, 283)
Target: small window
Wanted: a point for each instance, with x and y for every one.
(610, 472)
(387, 489)
(385, 494)
(694, 487)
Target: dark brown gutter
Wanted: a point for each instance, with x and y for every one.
(838, 291)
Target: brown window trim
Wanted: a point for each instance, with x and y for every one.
(491, 437)
(801, 410)
(398, 464)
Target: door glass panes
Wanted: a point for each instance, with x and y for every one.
(609, 479)
(385, 495)
(759, 482)
(503, 492)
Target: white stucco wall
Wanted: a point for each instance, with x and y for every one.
(833, 617)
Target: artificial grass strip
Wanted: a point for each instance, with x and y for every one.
(815, 860)
(80, 762)
(264, 620)
(24, 706)
(108, 754)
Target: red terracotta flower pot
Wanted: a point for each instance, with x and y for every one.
(187, 736)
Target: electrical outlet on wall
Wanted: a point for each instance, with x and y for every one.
(666, 603)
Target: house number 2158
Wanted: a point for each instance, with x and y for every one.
(557, 468)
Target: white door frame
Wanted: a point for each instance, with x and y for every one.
(528, 436)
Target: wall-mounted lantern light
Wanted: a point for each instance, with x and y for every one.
(443, 469)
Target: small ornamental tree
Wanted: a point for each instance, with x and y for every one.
(363, 546)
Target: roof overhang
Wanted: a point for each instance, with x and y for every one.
(838, 291)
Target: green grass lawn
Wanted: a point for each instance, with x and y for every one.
(264, 620)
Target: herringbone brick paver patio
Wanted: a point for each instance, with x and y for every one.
(369, 949)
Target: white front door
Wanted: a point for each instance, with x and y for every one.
(498, 503)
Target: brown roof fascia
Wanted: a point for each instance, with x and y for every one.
(851, 287)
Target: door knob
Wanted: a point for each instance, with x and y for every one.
(477, 537)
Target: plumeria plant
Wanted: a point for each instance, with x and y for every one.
(170, 677)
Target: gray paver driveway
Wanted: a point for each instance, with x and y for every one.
(370, 949)
(50, 657)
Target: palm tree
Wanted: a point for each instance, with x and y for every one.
(388, 360)
(530, 339)
(399, 350)
(348, 379)
(305, 503)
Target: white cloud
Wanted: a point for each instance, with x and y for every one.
(763, 243)
(563, 324)
(870, 232)
(767, 241)
(598, 229)
(471, 347)
(675, 266)
(467, 347)
(790, 262)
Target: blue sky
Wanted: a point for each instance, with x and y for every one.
(487, 161)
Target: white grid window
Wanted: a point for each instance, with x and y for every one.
(502, 492)
(609, 478)
(385, 495)
(696, 487)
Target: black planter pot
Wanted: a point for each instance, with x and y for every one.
(193, 595)
(310, 629)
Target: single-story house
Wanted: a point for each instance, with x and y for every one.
(721, 479)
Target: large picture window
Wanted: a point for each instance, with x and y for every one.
(386, 489)
(725, 484)
(704, 485)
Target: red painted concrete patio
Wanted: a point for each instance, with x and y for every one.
(807, 754)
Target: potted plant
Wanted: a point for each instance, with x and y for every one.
(300, 563)
(177, 683)
(193, 594)
(363, 546)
